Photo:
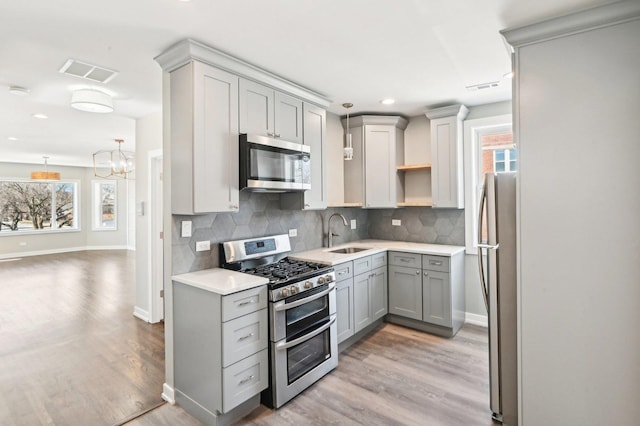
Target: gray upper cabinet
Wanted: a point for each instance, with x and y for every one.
(371, 178)
(447, 172)
(314, 131)
(267, 112)
(256, 108)
(204, 140)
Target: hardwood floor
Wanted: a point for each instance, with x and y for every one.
(394, 376)
(71, 352)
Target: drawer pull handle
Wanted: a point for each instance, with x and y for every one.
(343, 272)
(246, 337)
(246, 302)
(248, 379)
(404, 259)
(435, 262)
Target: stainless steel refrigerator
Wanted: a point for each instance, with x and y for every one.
(497, 239)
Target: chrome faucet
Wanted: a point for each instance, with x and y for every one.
(331, 234)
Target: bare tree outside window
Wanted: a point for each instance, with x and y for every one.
(34, 206)
(104, 205)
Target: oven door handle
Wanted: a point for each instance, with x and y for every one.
(323, 293)
(286, 345)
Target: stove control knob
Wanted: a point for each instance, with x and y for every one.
(293, 289)
(308, 284)
(320, 280)
(328, 278)
(284, 292)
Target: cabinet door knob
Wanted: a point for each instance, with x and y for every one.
(277, 135)
(426, 274)
(417, 272)
(307, 205)
(270, 134)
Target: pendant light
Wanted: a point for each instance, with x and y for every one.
(114, 163)
(46, 175)
(348, 143)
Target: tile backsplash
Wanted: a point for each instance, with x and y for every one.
(260, 214)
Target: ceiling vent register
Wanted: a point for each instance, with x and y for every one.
(88, 71)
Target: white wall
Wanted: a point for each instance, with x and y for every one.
(579, 224)
(84, 238)
(148, 138)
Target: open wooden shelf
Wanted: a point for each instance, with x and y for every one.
(414, 167)
(410, 204)
(344, 205)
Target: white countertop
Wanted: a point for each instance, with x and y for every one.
(221, 281)
(324, 255)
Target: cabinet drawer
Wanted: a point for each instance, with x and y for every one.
(244, 302)
(361, 265)
(378, 260)
(435, 263)
(244, 379)
(410, 260)
(344, 271)
(244, 336)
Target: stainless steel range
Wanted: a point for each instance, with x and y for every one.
(302, 314)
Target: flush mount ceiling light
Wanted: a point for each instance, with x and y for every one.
(115, 163)
(46, 175)
(348, 144)
(388, 101)
(91, 100)
(19, 91)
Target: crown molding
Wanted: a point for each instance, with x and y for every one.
(460, 111)
(188, 50)
(580, 21)
(361, 120)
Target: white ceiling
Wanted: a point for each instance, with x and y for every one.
(420, 52)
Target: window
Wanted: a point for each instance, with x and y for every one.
(104, 206)
(488, 147)
(38, 206)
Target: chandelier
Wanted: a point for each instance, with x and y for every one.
(46, 174)
(115, 163)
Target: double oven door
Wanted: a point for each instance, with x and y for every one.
(304, 344)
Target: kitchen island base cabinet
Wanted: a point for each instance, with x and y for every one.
(220, 352)
(429, 294)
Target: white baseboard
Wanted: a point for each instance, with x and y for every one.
(141, 314)
(168, 394)
(481, 320)
(60, 250)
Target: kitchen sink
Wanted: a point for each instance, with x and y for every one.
(349, 250)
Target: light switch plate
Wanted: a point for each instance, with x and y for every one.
(203, 245)
(293, 232)
(186, 229)
(353, 224)
(396, 222)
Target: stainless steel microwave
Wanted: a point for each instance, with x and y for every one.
(273, 165)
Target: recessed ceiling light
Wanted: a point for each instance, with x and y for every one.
(40, 116)
(388, 101)
(19, 90)
(11, 138)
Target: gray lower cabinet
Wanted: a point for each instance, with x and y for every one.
(405, 291)
(429, 293)
(220, 351)
(344, 301)
(369, 290)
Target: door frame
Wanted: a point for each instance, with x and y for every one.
(155, 261)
